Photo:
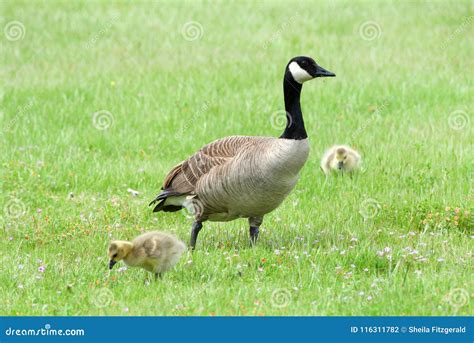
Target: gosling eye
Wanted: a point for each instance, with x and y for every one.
(114, 256)
(345, 157)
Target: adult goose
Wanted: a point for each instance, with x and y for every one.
(242, 176)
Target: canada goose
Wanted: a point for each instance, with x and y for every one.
(153, 251)
(242, 176)
(340, 158)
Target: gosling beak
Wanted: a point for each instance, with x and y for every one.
(112, 264)
(321, 72)
(340, 164)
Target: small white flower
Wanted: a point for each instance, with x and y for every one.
(277, 252)
(133, 192)
(387, 250)
(440, 259)
(369, 298)
(361, 293)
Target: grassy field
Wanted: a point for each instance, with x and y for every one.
(99, 97)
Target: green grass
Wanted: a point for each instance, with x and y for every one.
(393, 99)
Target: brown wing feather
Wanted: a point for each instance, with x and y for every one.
(183, 177)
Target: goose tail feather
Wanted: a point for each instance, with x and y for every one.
(161, 198)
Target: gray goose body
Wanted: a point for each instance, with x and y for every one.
(252, 183)
(243, 176)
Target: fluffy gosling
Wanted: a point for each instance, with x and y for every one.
(153, 251)
(340, 158)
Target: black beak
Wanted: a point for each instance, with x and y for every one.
(340, 164)
(112, 264)
(321, 72)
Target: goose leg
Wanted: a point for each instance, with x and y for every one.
(254, 223)
(197, 226)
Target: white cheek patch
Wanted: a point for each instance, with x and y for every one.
(299, 74)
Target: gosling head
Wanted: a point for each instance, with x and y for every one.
(302, 68)
(341, 157)
(118, 250)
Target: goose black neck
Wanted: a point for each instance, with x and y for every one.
(294, 121)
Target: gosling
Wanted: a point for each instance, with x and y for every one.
(340, 158)
(153, 251)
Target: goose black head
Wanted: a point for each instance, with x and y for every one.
(302, 68)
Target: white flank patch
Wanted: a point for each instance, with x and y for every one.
(299, 74)
(176, 201)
